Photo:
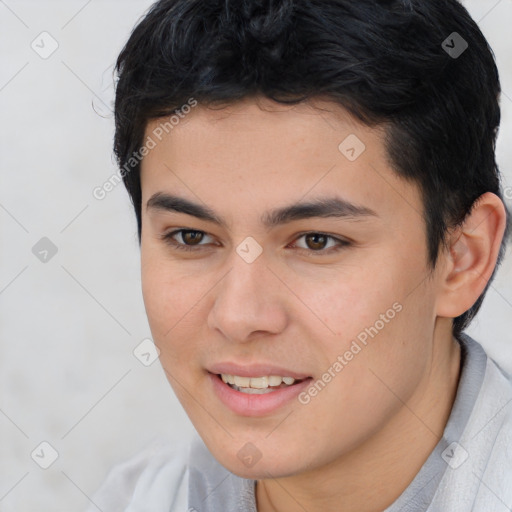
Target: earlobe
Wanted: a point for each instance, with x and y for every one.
(472, 255)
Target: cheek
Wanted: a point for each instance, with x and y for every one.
(170, 298)
(351, 300)
(380, 319)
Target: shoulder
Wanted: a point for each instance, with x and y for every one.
(492, 411)
(489, 440)
(494, 384)
(155, 478)
(478, 475)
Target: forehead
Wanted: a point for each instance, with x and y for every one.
(256, 154)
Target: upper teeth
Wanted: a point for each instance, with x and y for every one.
(256, 382)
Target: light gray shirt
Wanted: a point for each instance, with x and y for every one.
(469, 470)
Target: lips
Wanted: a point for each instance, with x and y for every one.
(244, 404)
(255, 370)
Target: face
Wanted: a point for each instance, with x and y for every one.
(275, 244)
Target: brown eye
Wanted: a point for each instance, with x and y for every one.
(316, 241)
(192, 237)
(319, 244)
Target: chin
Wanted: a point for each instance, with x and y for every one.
(262, 469)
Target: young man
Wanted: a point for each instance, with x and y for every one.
(320, 216)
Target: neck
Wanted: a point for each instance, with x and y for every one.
(372, 476)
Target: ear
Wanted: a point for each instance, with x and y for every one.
(471, 255)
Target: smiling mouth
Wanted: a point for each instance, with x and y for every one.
(258, 385)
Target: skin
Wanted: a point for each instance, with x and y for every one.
(358, 444)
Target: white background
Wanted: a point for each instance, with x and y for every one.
(68, 327)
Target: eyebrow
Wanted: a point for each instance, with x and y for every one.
(323, 207)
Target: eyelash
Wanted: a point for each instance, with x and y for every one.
(168, 239)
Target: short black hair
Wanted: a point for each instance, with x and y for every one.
(399, 64)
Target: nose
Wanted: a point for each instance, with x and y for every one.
(249, 302)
